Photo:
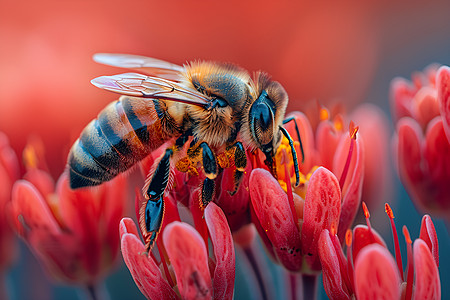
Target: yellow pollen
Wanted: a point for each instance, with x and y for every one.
(338, 122)
(30, 158)
(324, 114)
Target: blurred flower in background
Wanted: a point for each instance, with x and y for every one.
(421, 110)
(73, 234)
(9, 173)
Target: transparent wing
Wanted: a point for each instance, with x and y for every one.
(139, 85)
(147, 65)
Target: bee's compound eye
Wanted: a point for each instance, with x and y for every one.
(261, 118)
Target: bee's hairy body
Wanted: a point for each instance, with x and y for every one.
(129, 129)
(217, 105)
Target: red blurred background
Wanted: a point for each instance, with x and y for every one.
(345, 51)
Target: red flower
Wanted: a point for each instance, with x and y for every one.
(422, 112)
(290, 219)
(370, 272)
(72, 233)
(184, 269)
(9, 173)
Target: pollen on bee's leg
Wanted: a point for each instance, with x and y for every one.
(183, 164)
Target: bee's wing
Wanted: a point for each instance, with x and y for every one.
(147, 65)
(138, 85)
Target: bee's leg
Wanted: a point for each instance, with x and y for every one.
(210, 168)
(154, 210)
(203, 152)
(298, 135)
(240, 161)
(294, 155)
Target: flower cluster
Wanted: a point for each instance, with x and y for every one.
(369, 271)
(290, 218)
(421, 111)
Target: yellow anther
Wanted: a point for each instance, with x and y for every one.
(30, 158)
(338, 122)
(324, 114)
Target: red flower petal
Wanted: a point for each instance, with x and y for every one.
(272, 209)
(401, 93)
(437, 147)
(322, 209)
(376, 274)
(427, 283)
(307, 137)
(409, 157)
(428, 234)
(362, 238)
(332, 277)
(222, 241)
(352, 188)
(328, 138)
(443, 88)
(30, 211)
(145, 271)
(187, 253)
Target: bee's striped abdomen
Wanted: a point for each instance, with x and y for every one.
(124, 133)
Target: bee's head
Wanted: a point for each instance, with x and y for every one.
(266, 114)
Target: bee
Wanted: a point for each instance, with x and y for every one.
(218, 107)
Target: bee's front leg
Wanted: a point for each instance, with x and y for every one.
(240, 161)
(154, 210)
(209, 167)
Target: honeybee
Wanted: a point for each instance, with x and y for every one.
(216, 106)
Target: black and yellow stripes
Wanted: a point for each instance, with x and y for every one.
(124, 133)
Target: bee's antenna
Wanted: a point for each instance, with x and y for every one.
(298, 135)
(294, 154)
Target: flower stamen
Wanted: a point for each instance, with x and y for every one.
(398, 255)
(410, 271)
(348, 243)
(352, 131)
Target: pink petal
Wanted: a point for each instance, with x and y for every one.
(401, 94)
(427, 282)
(187, 253)
(376, 274)
(428, 234)
(222, 241)
(30, 211)
(352, 189)
(443, 88)
(42, 180)
(270, 204)
(328, 138)
(425, 105)
(363, 238)
(409, 159)
(127, 225)
(437, 147)
(145, 271)
(332, 277)
(307, 137)
(322, 209)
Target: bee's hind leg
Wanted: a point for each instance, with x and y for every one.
(154, 210)
(240, 161)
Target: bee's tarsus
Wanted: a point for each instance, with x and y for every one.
(298, 135)
(294, 155)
